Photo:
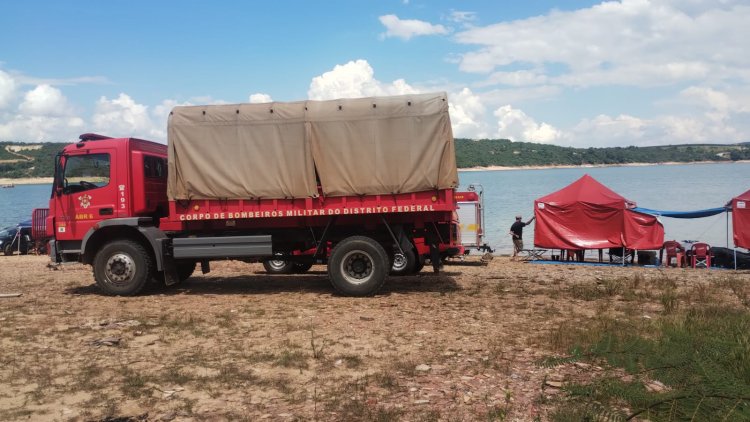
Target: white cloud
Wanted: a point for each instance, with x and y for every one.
(260, 98)
(628, 42)
(8, 87)
(461, 17)
(44, 114)
(25, 128)
(45, 100)
(467, 115)
(123, 117)
(354, 79)
(516, 125)
(408, 28)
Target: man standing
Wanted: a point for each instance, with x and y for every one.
(516, 232)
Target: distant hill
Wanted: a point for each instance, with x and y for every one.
(28, 160)
(19, 160)
(502, 152)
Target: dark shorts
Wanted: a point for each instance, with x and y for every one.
(518, 244)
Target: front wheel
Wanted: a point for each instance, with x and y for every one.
(122, 268)
(358, 266)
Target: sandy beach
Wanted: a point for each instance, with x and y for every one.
(237, 344)
(26, 181)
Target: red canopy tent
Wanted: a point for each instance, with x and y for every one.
(741, 220)
(589, 215)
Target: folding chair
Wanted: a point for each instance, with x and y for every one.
(616, 256)
(673, 250)
(701, 255)
(532, 254)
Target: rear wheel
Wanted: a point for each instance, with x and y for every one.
(403, 263)
(278, 266)
(122, 268)
(358, 266)
(418, 265)
(8, 250)
(302, 267)
(185, 269)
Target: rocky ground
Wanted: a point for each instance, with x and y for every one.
(237, 344)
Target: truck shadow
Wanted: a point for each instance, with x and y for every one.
(278, 284)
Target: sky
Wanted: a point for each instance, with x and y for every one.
(571, 73)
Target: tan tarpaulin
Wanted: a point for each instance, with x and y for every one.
(363, 146)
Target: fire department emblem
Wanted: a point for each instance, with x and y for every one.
(85, 200)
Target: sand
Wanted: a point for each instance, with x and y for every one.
(239, 344)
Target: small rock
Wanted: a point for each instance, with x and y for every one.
(422, 368)
(553, 384)
(366, 318)
(168, 416)
(413, 389)
(107, 341)
(656, 387)
(421, 401)
(338, 362)
(420, 333)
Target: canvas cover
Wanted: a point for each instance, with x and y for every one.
(589, 215)
(741, 220)
(363, 146)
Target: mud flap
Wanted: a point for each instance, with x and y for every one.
(170, 272)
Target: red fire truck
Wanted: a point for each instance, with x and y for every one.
(349, 183)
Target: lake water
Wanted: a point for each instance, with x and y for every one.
(507, 193)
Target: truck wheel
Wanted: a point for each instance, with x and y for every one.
(418, 265)
(185, 269)
(278, 266)
(302, 267)
(403, 264)
(122, 268)
(358, 266)
(8, 250)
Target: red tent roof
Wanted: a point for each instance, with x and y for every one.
(589, 215)
(586, 190)
(741, 220)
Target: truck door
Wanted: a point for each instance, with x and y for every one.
(87, 193)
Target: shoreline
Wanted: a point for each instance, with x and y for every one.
(26, 181)
(586, 166)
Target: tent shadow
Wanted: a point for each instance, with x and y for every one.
(279, 284)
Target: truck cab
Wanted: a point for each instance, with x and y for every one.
(101, 178)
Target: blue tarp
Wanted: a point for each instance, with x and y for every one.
(683, 214)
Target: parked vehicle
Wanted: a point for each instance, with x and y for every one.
(347, 183)
(16, 239)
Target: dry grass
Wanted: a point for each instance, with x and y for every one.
(240, 345)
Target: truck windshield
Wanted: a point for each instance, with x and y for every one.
(84, 172)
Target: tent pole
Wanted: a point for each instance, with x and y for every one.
(623, 256)
(735, 257)
(727, 213)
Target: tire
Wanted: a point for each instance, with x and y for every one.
(8, 250)
(418, 265)
(358, 266)
(302, 267)
(122, 268)
(185, 269)
(278, 266)
(403, 264)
